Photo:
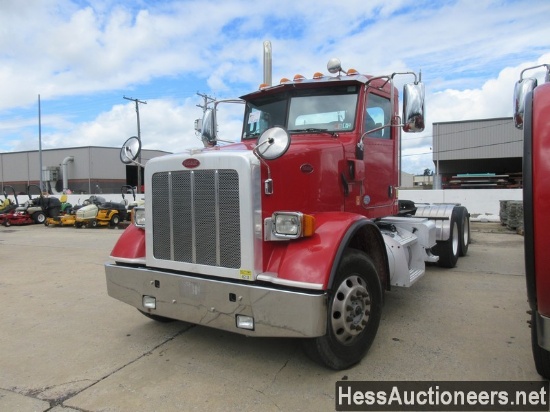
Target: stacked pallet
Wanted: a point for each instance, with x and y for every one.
(484, 181)
(511, 214)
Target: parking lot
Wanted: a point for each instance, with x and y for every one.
(65, 345)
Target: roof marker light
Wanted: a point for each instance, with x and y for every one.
(298, 78)
(284, 80)
(318, 75)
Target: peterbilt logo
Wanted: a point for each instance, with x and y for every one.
(191, 163)
(306, 168)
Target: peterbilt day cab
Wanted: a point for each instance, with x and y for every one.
(296, 229)
(532, 114)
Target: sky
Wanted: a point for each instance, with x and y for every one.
(80, 59)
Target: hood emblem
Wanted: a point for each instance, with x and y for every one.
(191, 163)
(306, 168)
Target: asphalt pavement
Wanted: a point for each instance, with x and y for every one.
(66, 345)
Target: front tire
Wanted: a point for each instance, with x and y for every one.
(355, 307)
(39, 217)
(115, 220)
(541, 356)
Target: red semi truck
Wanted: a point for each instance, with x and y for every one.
(532, 114)
(296, 229)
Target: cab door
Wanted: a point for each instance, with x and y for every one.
(380, 148)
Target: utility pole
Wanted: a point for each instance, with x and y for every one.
(139, 138)
(207, 99)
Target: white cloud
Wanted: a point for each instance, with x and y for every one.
(470, 53)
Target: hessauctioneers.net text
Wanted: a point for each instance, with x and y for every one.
(442, 396)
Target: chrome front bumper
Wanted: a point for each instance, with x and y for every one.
(216, 303)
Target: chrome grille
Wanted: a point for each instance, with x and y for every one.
(196, 217)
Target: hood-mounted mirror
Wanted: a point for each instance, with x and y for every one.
(272, 144)
(130, 151)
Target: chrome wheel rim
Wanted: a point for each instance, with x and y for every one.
(351, 306)
(456, 236)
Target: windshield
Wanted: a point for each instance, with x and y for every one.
(330, 109)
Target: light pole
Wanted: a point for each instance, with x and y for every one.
(40, 145)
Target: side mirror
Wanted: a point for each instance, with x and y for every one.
(273, 143)
(198, 125)
(523, 87)
(130, 150)
(208, 128)
(413, 107)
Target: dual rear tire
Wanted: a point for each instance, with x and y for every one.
(459, 239)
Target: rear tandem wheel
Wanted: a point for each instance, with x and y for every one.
(449, 250)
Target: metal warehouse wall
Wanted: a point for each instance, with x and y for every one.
(93, 168)
(477, 139)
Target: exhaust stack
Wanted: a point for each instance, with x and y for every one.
(267, 63)
(65, 172)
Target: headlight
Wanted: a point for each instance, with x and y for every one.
(139, 216)
(289, 225)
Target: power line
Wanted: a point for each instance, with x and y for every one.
(461, 131)
(464, 148)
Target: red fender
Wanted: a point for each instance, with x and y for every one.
(130, 245)
(314, 259)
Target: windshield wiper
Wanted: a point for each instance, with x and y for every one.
(314, 130)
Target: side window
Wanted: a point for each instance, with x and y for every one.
(377, 114)
(262, 117)
(257, 122)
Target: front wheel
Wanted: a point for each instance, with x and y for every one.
(540, 355)
(355, 307)
(115, 220)
(39, 217)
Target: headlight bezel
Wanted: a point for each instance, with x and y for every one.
(138, 217)
(288, 225)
